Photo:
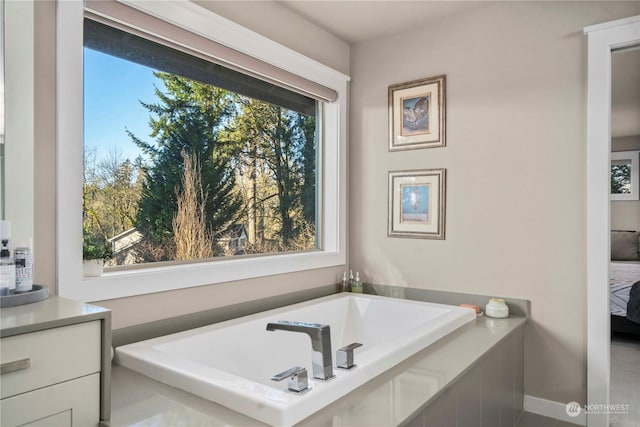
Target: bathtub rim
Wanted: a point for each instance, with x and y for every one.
(189, 376)
(147, 330)
(474, 342)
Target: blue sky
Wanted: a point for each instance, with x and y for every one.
(112, 88)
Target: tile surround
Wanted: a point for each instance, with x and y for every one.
(488, 394)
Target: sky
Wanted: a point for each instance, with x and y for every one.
(112, 90)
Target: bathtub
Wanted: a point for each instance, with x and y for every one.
(231, 362)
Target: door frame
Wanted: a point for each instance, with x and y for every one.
(602, 40)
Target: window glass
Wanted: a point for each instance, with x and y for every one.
(187, 160)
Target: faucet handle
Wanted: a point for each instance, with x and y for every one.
(298, 379)
(344, 356)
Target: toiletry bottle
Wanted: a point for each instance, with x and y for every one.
(7, 270)
(346, 286)
(357, 284)
(24, 267)
(496, 308)
(351, 280)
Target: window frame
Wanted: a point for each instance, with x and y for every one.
(331, 174)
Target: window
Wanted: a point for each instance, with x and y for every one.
(271, 209)
(182, 157)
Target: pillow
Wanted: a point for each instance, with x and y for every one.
(625, 245)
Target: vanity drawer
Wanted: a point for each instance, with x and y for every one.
(39, 359)
(71, 403)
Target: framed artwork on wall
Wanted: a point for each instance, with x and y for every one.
(417, 204)
(625, 175)
(417, 114)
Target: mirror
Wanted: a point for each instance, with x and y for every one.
(18, 114)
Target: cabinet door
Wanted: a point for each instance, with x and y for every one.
(63, 419)
(79, 399)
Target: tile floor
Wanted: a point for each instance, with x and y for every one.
(529, 419)
(625, 387)
(625, 380)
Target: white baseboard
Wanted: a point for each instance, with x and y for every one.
(549, 408)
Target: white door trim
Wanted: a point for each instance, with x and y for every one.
(602, 39)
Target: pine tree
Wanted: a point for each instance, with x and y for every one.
(187, 118)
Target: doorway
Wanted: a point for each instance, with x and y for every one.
(625, 225)
(603, 39)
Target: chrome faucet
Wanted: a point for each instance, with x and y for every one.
(320, 344)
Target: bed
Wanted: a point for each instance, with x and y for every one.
(624, 282)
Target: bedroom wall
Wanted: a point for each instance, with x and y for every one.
(275, 22)
(516, 165)
(625, 214)
(625, 127)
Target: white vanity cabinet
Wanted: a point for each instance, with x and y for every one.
(53, 372)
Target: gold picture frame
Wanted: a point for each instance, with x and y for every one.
(417, 204)
(417, 113)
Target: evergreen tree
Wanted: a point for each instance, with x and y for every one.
(187, 119)
(278, 151)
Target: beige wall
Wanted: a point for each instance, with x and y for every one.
(625, 214)
(625, 127)
(275, 22)
(285, 27)
(516, 164)
(44, 234)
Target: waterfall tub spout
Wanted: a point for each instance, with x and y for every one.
(320, 343)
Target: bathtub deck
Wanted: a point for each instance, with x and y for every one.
(390, 399)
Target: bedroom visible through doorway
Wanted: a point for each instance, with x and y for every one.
(624, 273)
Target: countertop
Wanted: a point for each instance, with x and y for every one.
(50, 313)
(388, 400)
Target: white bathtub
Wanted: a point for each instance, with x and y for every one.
(231, 362)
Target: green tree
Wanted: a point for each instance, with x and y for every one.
(620, 178)
(187, 118)
(307, 127)
(111, 192)
(277, 160)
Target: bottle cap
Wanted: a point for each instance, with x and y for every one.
(23, 242)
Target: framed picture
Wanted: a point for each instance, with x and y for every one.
(417, 114)
(417, 203)
(625, 175)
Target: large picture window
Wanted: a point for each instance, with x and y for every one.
(188, 160)
(200, 151)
